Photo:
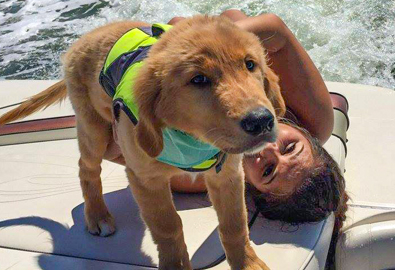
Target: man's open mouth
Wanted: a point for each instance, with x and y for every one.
(254, 146)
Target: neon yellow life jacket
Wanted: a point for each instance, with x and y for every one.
(117, 78)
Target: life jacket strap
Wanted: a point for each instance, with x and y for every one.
(221, 162)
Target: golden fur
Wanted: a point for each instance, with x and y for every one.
(53, 94)
(212, 46)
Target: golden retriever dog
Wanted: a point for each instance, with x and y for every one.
(232, 107)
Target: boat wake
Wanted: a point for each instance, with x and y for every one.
(349, 41)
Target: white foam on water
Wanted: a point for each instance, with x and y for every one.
(140, 10)
(348, 40)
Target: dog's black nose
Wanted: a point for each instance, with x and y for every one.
(258, 121)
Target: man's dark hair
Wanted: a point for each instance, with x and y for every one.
(322, 192)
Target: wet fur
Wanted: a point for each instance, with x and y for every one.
(213, 45)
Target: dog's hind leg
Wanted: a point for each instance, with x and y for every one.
(94, 134)
(158, 211)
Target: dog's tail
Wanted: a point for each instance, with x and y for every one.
(54, 94)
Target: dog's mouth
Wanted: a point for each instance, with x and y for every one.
(253, 146)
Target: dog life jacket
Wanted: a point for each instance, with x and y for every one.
(117, 78)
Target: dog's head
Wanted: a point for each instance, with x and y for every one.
(209, 78)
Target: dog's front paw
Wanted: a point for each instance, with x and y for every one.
(249, 261)
(176, 267)
(256, 265)
(174, 256)
(102, 225)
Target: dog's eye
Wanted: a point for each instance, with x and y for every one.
(250, 65)
(200, 80)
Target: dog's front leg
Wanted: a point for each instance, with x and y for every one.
(158, 211)
(226, 191)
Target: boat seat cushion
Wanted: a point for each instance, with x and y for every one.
(41, 211)
(368, 241)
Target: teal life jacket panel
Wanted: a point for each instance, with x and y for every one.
(117, 78)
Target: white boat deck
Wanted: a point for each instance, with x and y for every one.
(41, 207)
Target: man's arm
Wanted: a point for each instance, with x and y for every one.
(302, 86)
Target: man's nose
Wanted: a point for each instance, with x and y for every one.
(271, 146)
(271, 151)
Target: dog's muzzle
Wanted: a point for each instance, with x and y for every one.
(258, 122)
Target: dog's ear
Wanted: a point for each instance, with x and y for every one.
(149, 127)
(273, 92)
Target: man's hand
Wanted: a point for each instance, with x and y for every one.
(269, 28)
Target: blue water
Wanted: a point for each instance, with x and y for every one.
(348, 40)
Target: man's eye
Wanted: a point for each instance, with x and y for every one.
(290, 148)
(268, 171)
(200, 80)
